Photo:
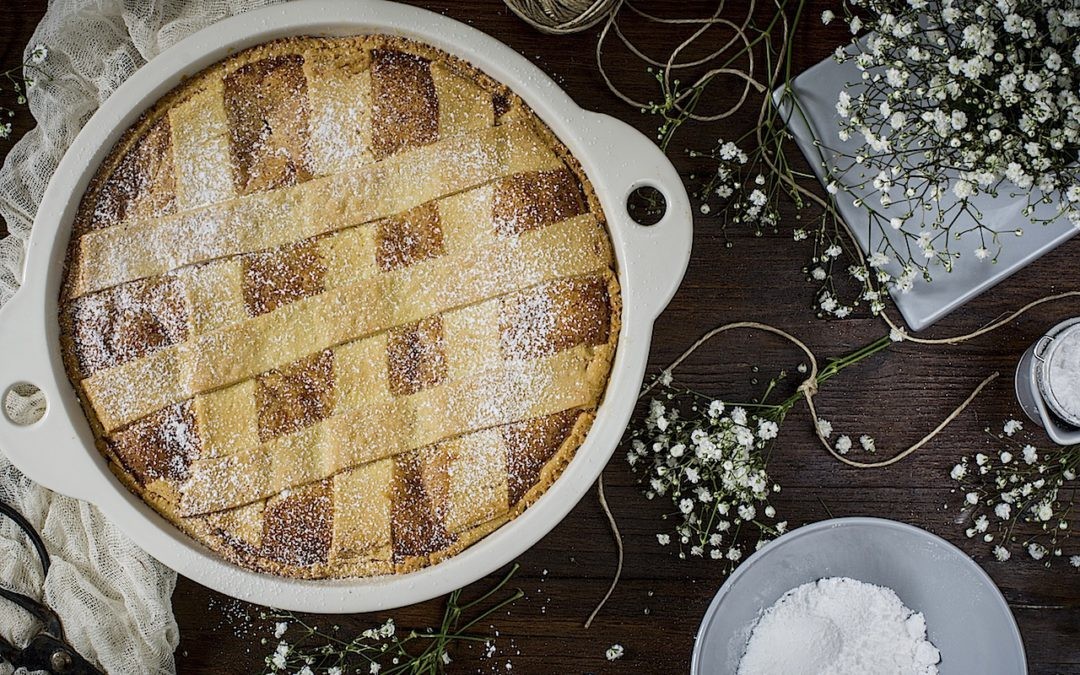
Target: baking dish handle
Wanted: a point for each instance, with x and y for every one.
(659, 253)
(49, 450)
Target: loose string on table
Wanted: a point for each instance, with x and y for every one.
(684, 102)
(561, 17)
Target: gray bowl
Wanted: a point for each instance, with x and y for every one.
(966, 616)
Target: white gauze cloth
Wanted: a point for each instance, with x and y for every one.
(113, 598)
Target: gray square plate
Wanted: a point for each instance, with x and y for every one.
(818, 89)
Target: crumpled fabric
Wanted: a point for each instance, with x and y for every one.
(113, 598)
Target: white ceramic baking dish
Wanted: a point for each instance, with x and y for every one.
(58, 450)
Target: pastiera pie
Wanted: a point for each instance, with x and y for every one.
(339, 307)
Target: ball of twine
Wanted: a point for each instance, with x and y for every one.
(560, 17)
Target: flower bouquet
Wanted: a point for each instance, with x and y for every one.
(949, 138)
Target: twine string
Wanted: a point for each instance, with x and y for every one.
(618, 545)
(561, 17)
(809, 389)
(739, 36)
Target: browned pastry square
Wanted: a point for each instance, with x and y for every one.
(127, 322)
(416, 522)
(409, 237)
(266, 105)
(529, 201)
(415, 356)
(283, 275)
(555, 316)
(404, 106)
(295, 396)
(298, 527)
(529, 446)
(143, 182)
(160, 446)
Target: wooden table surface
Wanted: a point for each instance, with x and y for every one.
(896, 396)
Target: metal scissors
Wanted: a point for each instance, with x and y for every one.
(48, 650)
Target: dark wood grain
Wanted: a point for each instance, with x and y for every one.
(896, 396)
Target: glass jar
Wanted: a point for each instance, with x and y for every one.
(1048, 382)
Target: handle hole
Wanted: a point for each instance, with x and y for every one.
(646, 205)
(24, 404)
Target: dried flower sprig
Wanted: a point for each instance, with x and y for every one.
(21, 79)
(710, 458)
(1021, 497)
(302, 647)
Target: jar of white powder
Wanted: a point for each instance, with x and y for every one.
(1048, 382)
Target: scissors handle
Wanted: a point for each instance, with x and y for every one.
(47, 651)
(54, 656)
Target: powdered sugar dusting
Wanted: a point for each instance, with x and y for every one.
(207, 267)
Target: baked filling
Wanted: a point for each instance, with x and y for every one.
(339, 307)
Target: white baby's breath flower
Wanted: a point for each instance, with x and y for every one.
(843, 444)
(614, 652)
(280, 628)
(972, 498)
(767, 429)
(1012, 426)
(1001, 553)
(827, 16)
(278, 659)
(1030, 454)
(738, 415)
(824, 427)
(1037, 551)
(663, 539)
(1003, 511)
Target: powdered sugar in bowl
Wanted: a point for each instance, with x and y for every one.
(966, 617)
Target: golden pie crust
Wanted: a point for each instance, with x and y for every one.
(339, 307)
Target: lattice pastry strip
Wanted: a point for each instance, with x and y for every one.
(500, 396)
(142, 248)
(200, 145)
(339, 92)
(471, 340)
(227, 291)
(389, 513)
(213, 360)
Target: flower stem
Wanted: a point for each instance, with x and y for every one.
(835, 366)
